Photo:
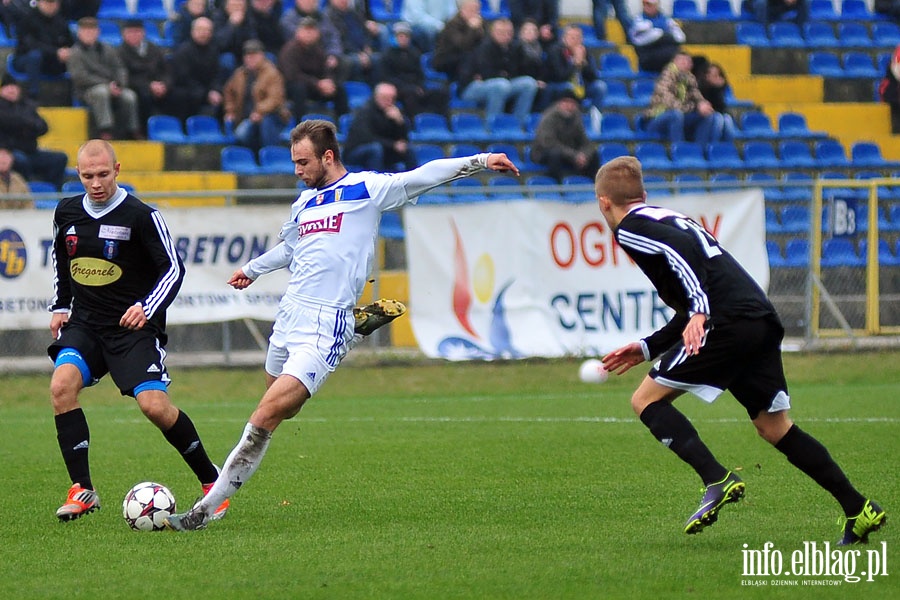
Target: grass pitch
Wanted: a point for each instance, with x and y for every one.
(448, 481)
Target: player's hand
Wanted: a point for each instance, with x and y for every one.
(619, 361)
(497, 161)
(694, 334)
(134, 318)
(56, 323)
(239, 280)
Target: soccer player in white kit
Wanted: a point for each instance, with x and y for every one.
(329, 246)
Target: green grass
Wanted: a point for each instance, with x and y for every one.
(444, 481)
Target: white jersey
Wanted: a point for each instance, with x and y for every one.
(329, 241)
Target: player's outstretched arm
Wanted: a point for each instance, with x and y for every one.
(501, 163)
(621, 360)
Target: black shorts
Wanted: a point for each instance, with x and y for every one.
(743, 357)
(130, 357)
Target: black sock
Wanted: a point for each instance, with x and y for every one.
(810, 456)
(73, 436)
(674, 430)
(184, 437)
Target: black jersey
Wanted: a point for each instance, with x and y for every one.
(690, 270)
(107, 261)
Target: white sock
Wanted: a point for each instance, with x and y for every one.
(238, 468)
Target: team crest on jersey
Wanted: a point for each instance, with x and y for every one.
(338, 193)
(71, 244)
(320, 198)
(110, 249)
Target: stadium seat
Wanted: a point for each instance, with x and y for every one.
(885, 35)
(756, 125)
(657, 186)
(825, 64)
(783, 34)
(844, 193)
(794, 219)
(165, 128)
(771, 189)
(760, 155)
(507, 127)
(723, 155)
(793, 125)
(70, 188)
(505, 187)
(893, 217)
(725, 178)
(462, 149)
(164, 40)
(430, 73)
(358, 93)
(653, 156)
(427, 152)
(749, 33)
(391, 226)
(152, 9)
(719, 10)
(641, 91)
(776, 259)
(822, 10)
(686, 10)
(796, 155)
(617, 95)
(467, 190)
(688, 155)
(854, 35)
(797, 186)
(543, 181)
(616, 66)
(855, 10)
(578, 188)
(772, 223)
(840, 252)
(430, 127)
(868, 154)
(615, 126)
(493, 10)
(830, 154)
(276, 160)
(796, 253)
(819, 34)
(240, 160)
(885, 256)
(114, 9)
(860, 64)
(469, 127)
(689, 183)
(611, 150)
(205, 129)
(510, 150)
(528, 164)
(42, 187)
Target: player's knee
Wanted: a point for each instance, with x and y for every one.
(638, 403)
(64, 392)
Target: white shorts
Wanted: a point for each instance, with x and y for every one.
(308, 342)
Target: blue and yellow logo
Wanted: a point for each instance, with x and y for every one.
(13, 257)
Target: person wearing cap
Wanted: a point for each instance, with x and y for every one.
(44, 44)
(149, 74)
(655, 36)
(100, 81)
(196, 77)
(20, 127)
(401, 65)
(254, 99)
(561, 142)
(309, 74)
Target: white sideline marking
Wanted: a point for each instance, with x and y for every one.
(613, 420)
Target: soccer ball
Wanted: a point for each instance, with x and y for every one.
(147, 505)
(592, 371)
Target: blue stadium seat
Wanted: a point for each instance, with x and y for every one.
(771, 190)
(358, 93)
(152, 9)
(469, 127)
(164, 40)
(391, 226)
(528, 164)
(793, 125)
(544, 181)
(893, 216)
(615, 126)
(641, 91)
(796, 253)
(490, 13)
(756, 125)
(796, 155)
(840, 252)
(577, 188)
(760, 155)
(205, 129)
(616, 66)
(114, 9)
(885, 256)
(859, 64)
(688, 155)
(611, 150)
(42, 187)
(724, 155)
(819, 34)
(276, 160)
(430, 127)
(240, 160)
(343, 126)
(885, 35)
(830, 154)
(463, 149)
(797, 186)
(719, 10)
(783, 34)
(686, 10)
(855, 10)
(689, 183)
(822, 10)
(776, 259)
(427, 152)
(385, 12)
(868, 154)
(617, 95)
(657, 186)
(854, 35)
(165, 128)
(749, 33)
(466, 190)
(510, 150)
(653, 156)
(825, 64)
(773, 225)
(507, 127)
(794, 219)
(430, 73)
(70, 188)
(501, 188)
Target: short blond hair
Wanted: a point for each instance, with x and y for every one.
(621, 180)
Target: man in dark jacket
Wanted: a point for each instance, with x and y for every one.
(196, 77)
(309, 73)
(379, 134)
(561, 142)
(20, 127)
(44, 43)
(148, 70)
(401, 65)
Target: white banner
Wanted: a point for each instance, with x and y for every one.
(508, 279)
(212, 242)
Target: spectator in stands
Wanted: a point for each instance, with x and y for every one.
(196, 75)
(291, 18)
(889, 89)
(570, 67)
(11, 12)
(44, 44)
(73, 10)
(458, 39)
(656, 37)
(714, 87)
(12, 183)
(233, 27)
(20, 127)
(494, 76)
(378, 139)
(401, 65)
(266, 15)
(310, 74)
(149, 74)
(888, 8)
(361, 38)
(678, 110)
(543, 12)
(769, 11)
(184, 18)
(100, 81)
(561, 142)
(427, 19)
(531, 52)
(255, 100)
(600, 12)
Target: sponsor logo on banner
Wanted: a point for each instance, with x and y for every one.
(13, 255)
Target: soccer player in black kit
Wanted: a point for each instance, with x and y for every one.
(116, 273)
(725, 335)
